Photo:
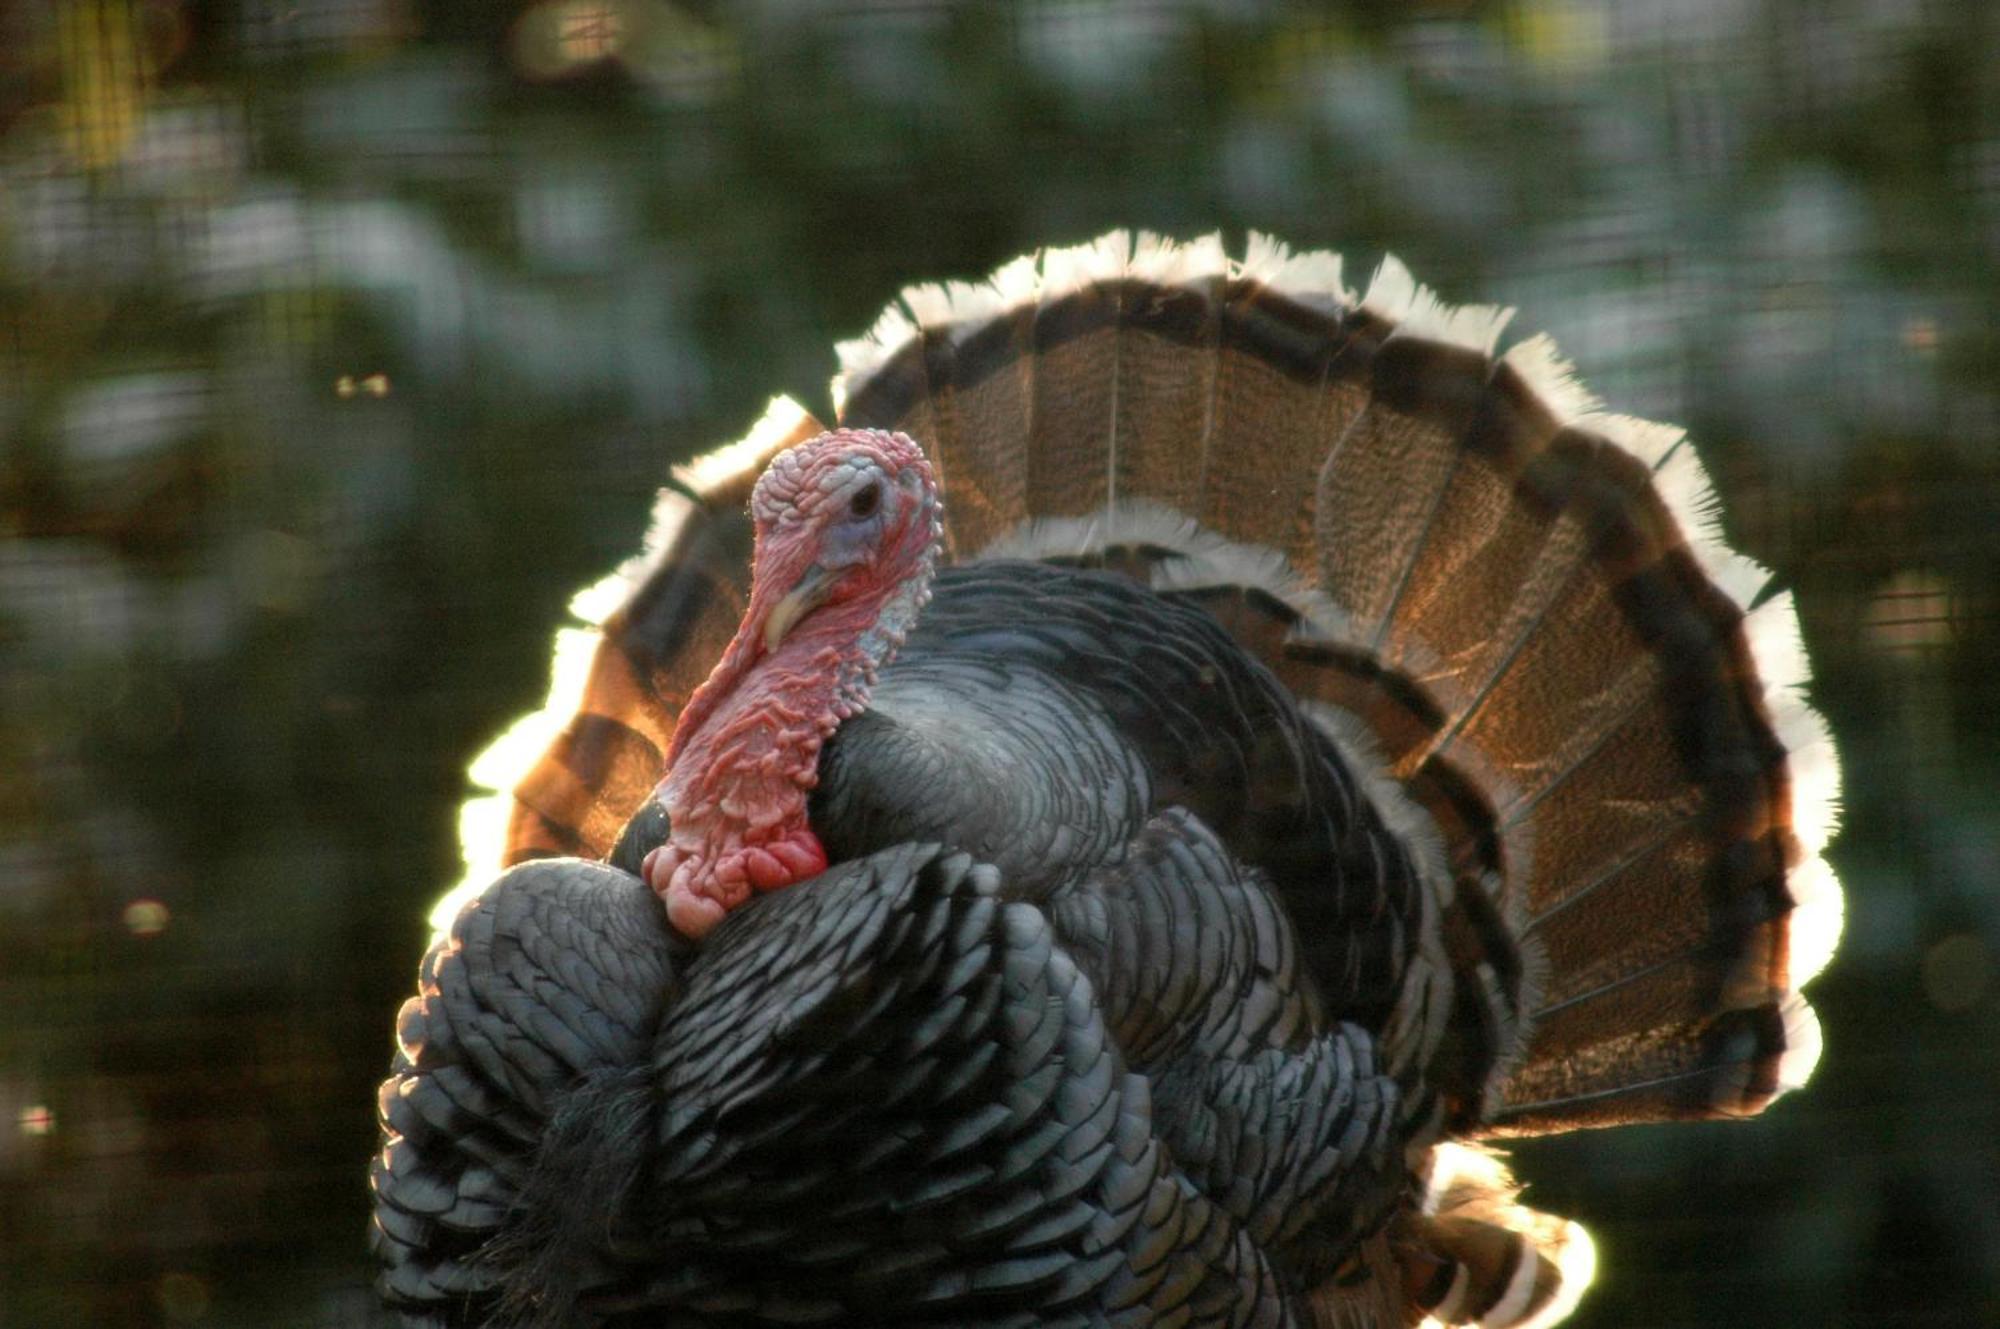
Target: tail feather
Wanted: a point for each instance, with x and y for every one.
(1525, 602)
(1373, 537)
(1286, 392)
(1425, 385)
(1494, 565)
(1475, 1255)
(1164, 382)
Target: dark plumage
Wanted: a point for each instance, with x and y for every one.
(1194, 891)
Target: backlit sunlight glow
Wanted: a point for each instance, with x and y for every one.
(482, 821)
(1564, 1242)
(784, 422)
(1576, 1258)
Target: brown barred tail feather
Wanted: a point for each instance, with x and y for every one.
(1518, 604)
(1475, 1255)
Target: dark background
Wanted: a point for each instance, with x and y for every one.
(341, 340)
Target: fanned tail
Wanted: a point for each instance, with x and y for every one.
(1516, 603)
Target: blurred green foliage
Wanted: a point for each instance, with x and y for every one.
(343, 339)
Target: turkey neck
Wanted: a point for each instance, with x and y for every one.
(746, 749)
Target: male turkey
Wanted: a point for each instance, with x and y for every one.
(1324, 747)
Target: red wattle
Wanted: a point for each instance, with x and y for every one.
(792, 857)
(745, 751)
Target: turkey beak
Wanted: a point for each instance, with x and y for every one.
(801, 600)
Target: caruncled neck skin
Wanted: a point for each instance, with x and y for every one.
(737, 797)
(745, 752)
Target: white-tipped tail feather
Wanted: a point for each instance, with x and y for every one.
(1554, 379)
(1313, 275)
(1415, 309)
(1512, 1267)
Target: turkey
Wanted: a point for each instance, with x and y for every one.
(1113, 831)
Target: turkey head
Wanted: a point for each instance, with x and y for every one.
(847, 533)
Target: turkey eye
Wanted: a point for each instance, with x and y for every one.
(865, 502)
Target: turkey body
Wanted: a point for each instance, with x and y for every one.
(1041, 718)
(1224, 850)
(1077, 1051)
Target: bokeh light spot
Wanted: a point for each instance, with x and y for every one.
(558, 37)
(361, 385)
(38, 1119)
(589, 30)
(146, 918)
(1559, 34)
